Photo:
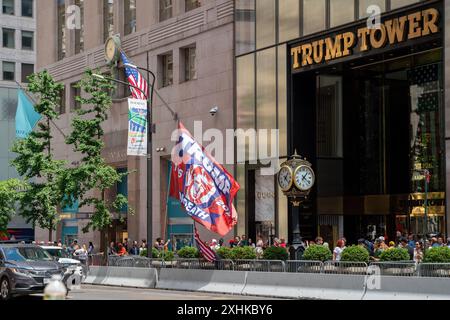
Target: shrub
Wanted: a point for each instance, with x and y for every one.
(437, 255)
(317, 253)
(167, 255)
(188, 253)
(355, 254)
(243, 253)
(395, 254)
(155, 253)
(275, 253)
(224, 253)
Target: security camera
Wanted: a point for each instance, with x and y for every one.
(214, 111)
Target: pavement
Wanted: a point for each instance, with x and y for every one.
(97, 293)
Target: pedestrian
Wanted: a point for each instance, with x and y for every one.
(391, 244)
(121, 251)
(112, 249)
(440, 242)
(134, 250)
(91, 248)
(283, 243)
(404, 245)
(448, 242)
(411, 240)
(338, 250)
(434, 242)
(221, 242)
(214, 245)
(319, 241)
(81, 254)
(251, 244)
(418, 252)
(243, 242)
(259, 249)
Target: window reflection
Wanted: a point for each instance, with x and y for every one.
(364, 5)
(313, 16)
(341, 12)
(401, 3)
(289, 20)
(265, 23)
(245, 26)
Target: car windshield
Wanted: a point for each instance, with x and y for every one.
(59, 253)
(27, 254)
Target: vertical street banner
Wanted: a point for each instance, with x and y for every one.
(137, 127)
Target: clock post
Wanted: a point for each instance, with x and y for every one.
(296, 179)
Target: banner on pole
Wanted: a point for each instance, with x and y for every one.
(137, 127)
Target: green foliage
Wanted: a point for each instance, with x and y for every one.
(167, 255)
(395, 254)
(93, 175)
(243, 253)
(188, 253)
(34, 161)
(437, 255)
(275, 253)
(355, 254)
(317, 253)
(9, 195)
(225, 253)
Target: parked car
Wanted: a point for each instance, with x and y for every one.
(26, 269)
(73, 266)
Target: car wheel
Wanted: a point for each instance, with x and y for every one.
(5, 289)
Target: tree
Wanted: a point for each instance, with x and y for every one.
(35, 163)
(89, 181)
(10, 193)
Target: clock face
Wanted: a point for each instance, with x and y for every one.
(110, 50)
(304, 178)
(285, 178)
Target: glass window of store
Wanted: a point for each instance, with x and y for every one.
(245, 26)
(108, 19)
(8, 7)
(364, 5)
(314, 16)
(130, 16)
(288, 20)
(341, 12)
(265, 23)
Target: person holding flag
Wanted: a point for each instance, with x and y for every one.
(205, 189)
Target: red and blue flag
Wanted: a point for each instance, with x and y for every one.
(138, 84)
(205, 189)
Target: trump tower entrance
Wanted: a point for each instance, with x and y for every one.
(367, 110)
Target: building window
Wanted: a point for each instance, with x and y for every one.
(9, 71)
(130, 16)
(75, 91)
(27, 8)
(167, 69)
(395, 4)
(8, 7)
(364, 5)
(189, 61)
(165, 9)
(108, 19)
(62, 101)
(341, 12)
(28, 40)
(265, 23)
(27, 70)
(79, 33)
(9, 38)
(192, 4)
(61, 29)
(314, 13)
(245, 26)
(288, 20)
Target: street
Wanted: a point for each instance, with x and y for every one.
(97, 293)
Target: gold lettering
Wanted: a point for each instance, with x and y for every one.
(396, 30)
(307, 53)
(318, 50)
(430, 25)
(362, 34)
(295, 53)
(333, 49)
(378, 43)
(414, 26)
(349, 42)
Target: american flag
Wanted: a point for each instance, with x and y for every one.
(135, 79)
(205, 250)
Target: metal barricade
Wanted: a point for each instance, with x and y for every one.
(345, 267)
(435, 270)
(294, 266)
(398, 269)
(260, 265)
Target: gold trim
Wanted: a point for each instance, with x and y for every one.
(292, 178)
(313, 175)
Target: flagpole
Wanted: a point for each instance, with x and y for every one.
(35, 102)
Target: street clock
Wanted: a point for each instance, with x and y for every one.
(112, 49)
(296, 179)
